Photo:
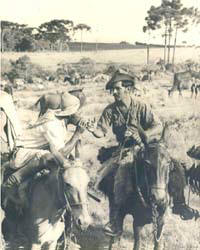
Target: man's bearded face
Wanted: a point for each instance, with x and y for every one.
(119, 91)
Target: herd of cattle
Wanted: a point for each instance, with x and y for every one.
(187, 78)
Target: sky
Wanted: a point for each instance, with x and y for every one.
(110, 20)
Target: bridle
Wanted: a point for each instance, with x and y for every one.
(62, 192)
(157, 215)
(67, 206)
(148, 165)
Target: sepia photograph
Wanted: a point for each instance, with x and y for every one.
(100, 125)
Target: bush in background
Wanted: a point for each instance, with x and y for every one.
(23, 68)
(85, 66)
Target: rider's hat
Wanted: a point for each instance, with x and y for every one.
(78, 92)
(69, 105)
(118, 76)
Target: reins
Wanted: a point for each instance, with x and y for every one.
(61, 192)
(141, 197)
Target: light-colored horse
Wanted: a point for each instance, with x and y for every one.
(62, 191)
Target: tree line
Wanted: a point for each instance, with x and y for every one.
(170, 17)
(52, 35)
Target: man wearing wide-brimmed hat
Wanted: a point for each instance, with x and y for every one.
(48, 134)
(135, 125)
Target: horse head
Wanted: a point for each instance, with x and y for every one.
(75, 185)
(157, 165)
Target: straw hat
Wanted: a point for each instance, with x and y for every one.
(69, 105)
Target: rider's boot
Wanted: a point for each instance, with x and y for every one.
(180, 207)
(115, 226)
(10, 187)
(178, 183)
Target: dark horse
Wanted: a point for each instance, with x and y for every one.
(50, 197)
(144, 192)
(181, 77)
(193, 174)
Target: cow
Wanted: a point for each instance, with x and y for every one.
(180, 78)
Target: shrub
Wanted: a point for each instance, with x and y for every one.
(111, 68)
(24, 69)
(5, 67)
(85, 66)
(86, 60)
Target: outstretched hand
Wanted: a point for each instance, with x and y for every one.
(88, 124)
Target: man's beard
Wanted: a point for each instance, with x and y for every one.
(117, 98)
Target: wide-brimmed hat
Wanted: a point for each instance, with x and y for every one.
(121, 77)
(80, 95)
(69, 105)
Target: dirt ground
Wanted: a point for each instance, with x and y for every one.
(183, 117)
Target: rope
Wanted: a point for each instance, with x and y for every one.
(138, 188)
(146, 180)
(189, 195)
(126, 123)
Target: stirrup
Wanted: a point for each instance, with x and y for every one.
(108, 230)
(185, 212)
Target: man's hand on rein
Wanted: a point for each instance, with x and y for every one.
(128, 133)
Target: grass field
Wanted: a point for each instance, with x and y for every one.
(182, 114)
(135, 56)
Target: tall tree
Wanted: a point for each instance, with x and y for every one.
(173, 17)
(56, 31)
(8, 31)
(16, 36)
(152, 23)
(82, 27)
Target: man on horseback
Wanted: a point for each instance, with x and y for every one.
(35, 152)
(135, 126)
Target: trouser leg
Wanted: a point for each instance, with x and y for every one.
(115, 225)
(31, 168)
(10, 186)
(177, 185)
